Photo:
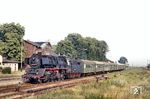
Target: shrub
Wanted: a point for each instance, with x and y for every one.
(1, 69)
(6, 70)
(92, 96)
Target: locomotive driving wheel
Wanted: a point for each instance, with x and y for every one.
(46, 79)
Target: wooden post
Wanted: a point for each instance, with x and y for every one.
(18, 86)
(1, 60)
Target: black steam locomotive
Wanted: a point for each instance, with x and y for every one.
(45, 68)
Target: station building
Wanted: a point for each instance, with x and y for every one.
(9, 63)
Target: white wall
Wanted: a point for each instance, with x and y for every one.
(13, 66)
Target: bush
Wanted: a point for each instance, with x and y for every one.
(6, 70)
(1, 69)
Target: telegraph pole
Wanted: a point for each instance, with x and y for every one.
(21, 53)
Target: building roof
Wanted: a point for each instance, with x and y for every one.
(33, 43)
(41, 43)
(37, 44)
(9, 61)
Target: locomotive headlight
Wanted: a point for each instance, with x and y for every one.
(37, 73)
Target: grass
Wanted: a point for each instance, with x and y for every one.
(14, 74)
(117, 87)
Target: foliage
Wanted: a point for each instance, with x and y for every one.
(6, 70)
(11, 35)
(2, 46)
(76, 46)
(66, 48)
(123, 60)
(1, 69)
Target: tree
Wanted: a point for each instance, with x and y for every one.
(2, 46)
(75, 39)
(64, 47)
(103, 49)
(84, 48)
(11, 35)
(123, 60)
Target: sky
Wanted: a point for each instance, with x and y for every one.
(123, 24)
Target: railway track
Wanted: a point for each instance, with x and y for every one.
(9, 78)
(27, 90)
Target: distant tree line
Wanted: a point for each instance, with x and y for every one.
(123, 60)
(11, 35)
(76, 46)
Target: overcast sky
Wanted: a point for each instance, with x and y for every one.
(123, 24)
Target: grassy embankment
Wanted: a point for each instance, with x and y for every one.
(117, 87)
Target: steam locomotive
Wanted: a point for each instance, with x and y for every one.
(45, 68)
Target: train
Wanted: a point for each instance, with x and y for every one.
(47, 68)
